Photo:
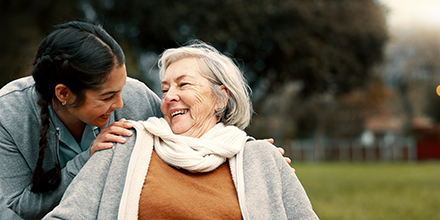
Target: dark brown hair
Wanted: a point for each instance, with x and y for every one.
(79, 55)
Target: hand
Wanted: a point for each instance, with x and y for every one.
(288, 160)
(112, 133)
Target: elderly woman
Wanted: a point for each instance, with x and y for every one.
(196, 162)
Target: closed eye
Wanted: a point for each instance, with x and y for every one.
(109, 98)
(183, 84)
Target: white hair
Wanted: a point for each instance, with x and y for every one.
(219, 70)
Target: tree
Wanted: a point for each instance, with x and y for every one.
(411, 67)
(328, 45)
(24, 25)
(321, 48)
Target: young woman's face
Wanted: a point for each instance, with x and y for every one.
(99, 104)
(188, 103)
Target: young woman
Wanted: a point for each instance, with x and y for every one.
(52, 122)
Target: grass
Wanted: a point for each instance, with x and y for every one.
(364, 191)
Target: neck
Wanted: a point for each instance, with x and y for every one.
(73, 124)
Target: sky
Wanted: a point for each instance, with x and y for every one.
(407, 13)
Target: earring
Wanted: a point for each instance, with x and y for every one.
(64, 103)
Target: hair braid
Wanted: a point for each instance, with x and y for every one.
(42, 181)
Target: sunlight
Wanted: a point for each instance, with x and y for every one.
(431, 15)
(406, 13)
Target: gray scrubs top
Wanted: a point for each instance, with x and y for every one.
(69, 147)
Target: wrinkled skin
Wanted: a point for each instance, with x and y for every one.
(189, 93)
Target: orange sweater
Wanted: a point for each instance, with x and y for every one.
(170, 193)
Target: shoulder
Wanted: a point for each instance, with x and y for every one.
(262, 154)
(140, 102)
(135, 86)
(260, 148)
(17, 85)
(136, 93)
(132, 81)
(18, 100)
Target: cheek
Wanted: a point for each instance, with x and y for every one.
(203, 105)
(163, 107)
(98, 109)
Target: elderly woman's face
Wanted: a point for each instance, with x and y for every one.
(188, 103)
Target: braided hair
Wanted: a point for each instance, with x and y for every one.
(79, 55)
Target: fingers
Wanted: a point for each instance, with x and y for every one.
(112, 134)
(100, 146)
(270, 140)
(122, 123)
(113, 137)
(117, 130)
(288, 160)
(281, 150)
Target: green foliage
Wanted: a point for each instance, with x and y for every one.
(365, 191)
(327, 45)
(301, 48)
(24, 24)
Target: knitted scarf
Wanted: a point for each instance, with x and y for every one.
(202, 154)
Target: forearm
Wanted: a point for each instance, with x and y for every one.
(16, 187)
(83, 196)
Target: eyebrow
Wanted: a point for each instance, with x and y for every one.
(109, 93)
(177, 79)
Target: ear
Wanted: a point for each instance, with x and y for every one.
(63, 94)
(225, 92)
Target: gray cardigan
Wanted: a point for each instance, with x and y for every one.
(271, 188)
(19, 136)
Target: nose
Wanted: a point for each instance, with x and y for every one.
(118, 102)
(171, 95)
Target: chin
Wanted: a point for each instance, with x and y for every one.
(177, 131)
(100, 124)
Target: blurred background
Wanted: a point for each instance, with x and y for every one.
(346, 87)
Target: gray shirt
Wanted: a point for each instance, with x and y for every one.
(19, 136)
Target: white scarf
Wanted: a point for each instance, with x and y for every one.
(202, 154)
(194, 154)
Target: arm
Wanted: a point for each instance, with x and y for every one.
(273, 191)
(96, 191)
(15, 178)
(296, 202)
(83, 196)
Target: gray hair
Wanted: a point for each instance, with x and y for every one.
(219, 70)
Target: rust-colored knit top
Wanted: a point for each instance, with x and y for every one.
(170, 193)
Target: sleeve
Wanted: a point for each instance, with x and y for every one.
(295, 200)
(271, 187)
(83, 196)
(96, 191)
(16, 175)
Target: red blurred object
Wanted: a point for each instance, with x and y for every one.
(428, 140)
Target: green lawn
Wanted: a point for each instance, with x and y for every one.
(373, 191)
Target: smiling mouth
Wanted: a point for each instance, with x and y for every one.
(178, 112)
